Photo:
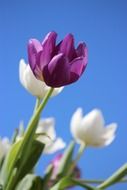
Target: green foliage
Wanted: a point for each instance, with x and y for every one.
(67, 182)
(20, 170)
(30, 182)
(66, 160)
(8, 162)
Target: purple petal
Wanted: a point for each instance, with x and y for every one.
(78, 66)
(82, 50)
(67, 47)
(48, 48)
(57, 73)
(34, 49)
(48, 37)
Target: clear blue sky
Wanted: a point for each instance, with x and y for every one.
(102, 24)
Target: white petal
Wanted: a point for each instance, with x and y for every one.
(110, 130)
(46, 126)
(55, 146)
(57, 91)
(108, 141)
(4, 147)
(91, 127)
(82, 128)
(52, 144)
(94, 119)
(76, 123)
(34, 86)
(109, 134)
(22, 68)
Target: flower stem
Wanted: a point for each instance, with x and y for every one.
(116, 177)
(79, 154)
(98, 181)
(27, 142)
(37, 104)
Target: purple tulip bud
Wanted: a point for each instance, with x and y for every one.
(57, 65)
(56, 161)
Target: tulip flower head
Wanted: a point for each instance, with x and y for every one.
(46, 134)
(57, 65)
(90, 129)
(48, 137)
(76, 173)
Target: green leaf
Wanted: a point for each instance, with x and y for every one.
(30, 182)
(66, 160)
(68, 182)
(19, 169)
(33, 157)
(26, 145)
(47, 176)
(8, 162)
(114, 178)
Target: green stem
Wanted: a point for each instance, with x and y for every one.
(37, 104)
(117, 176)
(79, 154)
(27, 141)
(95, 181)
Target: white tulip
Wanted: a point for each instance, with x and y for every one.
(34, 86)
(91, 129)
(4, 147)
(48, 136)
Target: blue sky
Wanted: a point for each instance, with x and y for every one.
(102, 24)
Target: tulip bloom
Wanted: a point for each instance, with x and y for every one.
(35, 87)
(52, 143)
(90, 129)
(46, 134)
(57, 65)
(76, 173)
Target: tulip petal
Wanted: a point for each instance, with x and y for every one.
(51, 36)
(107, 141)
(48, 49)
(34, 50)
(46, 126)
(109, 134)
(94, 118)
(57, 72)
(110, 130)
(67, 47)
(29, 81)
(76, 124)
(5, 145)
(22, 69)
(57, 145)
(52, 143)
(82, 50)
(77, 67)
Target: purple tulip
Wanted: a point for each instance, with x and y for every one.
(57, 65)
(76, 173)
